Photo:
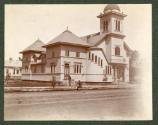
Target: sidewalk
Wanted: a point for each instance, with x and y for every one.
(69, 88)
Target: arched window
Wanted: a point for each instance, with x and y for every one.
(117, 51)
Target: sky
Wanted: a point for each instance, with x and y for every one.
(26, 23)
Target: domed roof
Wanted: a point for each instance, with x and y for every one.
(111, 7)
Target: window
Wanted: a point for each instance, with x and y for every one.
(77, 68)
(92, 57)
(117, 25)
(67, 53)
(95, 59)
(105, 25)
(14, 71)
(52, 68)
(108, 70)
(117, 51)
(17, 71)
(101, 63)
(89, 55)
(77, 54)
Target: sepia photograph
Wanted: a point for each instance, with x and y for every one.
(78, 62)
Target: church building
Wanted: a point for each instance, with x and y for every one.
(99, 57)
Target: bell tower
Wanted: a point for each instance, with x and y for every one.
(111, 20)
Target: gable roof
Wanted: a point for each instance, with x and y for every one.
(36, 46)
(93, 39)
(67, 37)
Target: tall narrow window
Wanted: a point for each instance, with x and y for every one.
(67, 53)
(101, 63)
(78, 54)
(77, 68)
(108, 70)
(95, 59)
(117, 51)
(52, 68)
(14, 71)
(89, 55)
(115, 24)
(80, 69)
(118, 25)
(92, 57)
(17, 71)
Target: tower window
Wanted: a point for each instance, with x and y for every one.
(117, 25)
(117, 51)
(105, 25)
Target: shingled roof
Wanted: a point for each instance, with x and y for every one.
(93, 39)
(36, 46)
(67, 37)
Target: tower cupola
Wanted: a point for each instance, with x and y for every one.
(111, 20)
(111, 7)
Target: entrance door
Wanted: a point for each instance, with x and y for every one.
(120, 73)
(66, 71)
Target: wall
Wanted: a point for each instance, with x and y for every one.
(72, 59)
(95, 72)
(11, 72)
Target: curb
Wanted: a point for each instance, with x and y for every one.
(13, 89)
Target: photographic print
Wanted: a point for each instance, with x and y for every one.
(78, 62)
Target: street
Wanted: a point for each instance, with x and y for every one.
(116, 104)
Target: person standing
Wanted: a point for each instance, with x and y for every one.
(69, 78)
(79, 85)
